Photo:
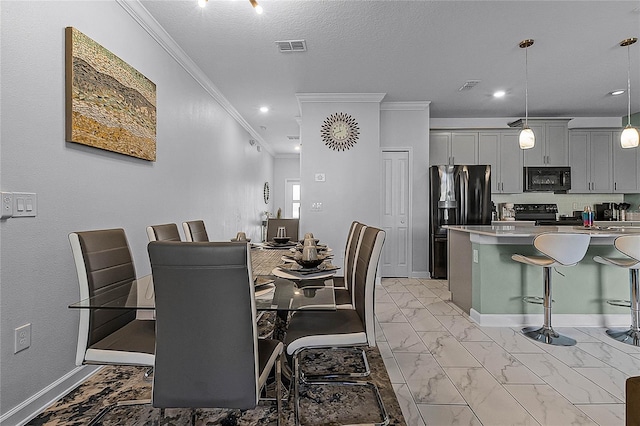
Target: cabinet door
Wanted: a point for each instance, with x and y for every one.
(535, 156)
(489, 153)
(579, 143)
(464, 148)
(625, 167)
(557, 144)
(601, 152)
(511, 162)
(439, 143)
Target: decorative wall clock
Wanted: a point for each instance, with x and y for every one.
(266, 193)
(340, 131)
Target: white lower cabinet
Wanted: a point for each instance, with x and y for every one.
(500, 149)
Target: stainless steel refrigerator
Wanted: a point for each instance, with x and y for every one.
(458, 195)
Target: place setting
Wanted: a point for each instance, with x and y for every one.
(263, 285)
(280, 241)
(307, 263)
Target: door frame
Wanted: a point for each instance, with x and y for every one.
(409, 151)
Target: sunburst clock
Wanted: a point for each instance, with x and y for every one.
(340, 131)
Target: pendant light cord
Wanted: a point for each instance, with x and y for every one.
(628, 86)
(526, 87)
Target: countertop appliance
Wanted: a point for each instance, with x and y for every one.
(458, 195)
(547, 179)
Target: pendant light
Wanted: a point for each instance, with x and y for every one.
(629, 137)
(527, 139)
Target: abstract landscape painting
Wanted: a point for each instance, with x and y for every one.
(109, 105)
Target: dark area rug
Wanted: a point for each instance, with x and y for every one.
(320, 404)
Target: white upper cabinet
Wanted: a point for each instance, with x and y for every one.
(591, 161)
(500, 150)
(552, 146)
(626, 162)
(453, 148)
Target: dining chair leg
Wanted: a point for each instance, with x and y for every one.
(279, 388)
(296, 387)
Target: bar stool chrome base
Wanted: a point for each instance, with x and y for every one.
(548, 336)
(630, 337)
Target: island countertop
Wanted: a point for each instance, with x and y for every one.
(520, 233)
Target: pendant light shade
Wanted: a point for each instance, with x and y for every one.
(629, 137)
(527, 139)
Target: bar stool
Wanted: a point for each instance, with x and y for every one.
(628, 245)
(559, 250)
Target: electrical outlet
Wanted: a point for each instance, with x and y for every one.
(22, 336)
(475, 256)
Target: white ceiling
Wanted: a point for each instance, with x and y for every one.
(412, 51)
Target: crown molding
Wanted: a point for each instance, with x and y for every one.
(405, 106)
(340, 97)
(142, 16)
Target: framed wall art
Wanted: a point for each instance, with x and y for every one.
(109, 104)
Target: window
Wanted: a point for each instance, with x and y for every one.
(292, 199)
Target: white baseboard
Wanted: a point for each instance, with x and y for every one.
(30, 408)
(559, 320)
(419, 274)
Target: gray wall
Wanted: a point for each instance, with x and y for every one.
(406, 125)
(81, 188)
(352, 187)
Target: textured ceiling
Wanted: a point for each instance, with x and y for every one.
(412, 51)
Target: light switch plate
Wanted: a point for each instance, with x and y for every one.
(25, 204)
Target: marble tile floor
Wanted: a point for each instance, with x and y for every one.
(447, 370)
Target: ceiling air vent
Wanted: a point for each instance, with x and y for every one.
(468, 85)
(293, 138)
(292, 45)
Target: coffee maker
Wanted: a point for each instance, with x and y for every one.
(606, 211)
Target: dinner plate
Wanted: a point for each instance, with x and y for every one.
(295, 275)
(299, 268)
(260, 281)
(272, 245)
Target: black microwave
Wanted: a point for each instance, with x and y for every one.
(547, 179)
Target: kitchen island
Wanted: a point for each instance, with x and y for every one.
(489, 286)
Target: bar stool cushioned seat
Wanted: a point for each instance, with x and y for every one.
(559, 249)
(630, 246)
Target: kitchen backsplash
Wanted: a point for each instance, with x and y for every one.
(567, 203)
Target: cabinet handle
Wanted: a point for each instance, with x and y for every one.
(615, 186)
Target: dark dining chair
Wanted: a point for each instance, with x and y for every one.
(195, 231)
(343, 285)
(109, 336)
(291, 226)
(208, 354)
(166, 232)
(344, 327)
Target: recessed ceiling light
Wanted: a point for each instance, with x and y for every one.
(264, 109)
(297, 148)
(499, 94)
(202, 3)
(616, 92)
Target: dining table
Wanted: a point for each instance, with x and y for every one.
(272, 293)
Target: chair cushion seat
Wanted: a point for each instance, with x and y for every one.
(339, 282)
(268, 351)
(319, 329)
(536, 260)
(132, 344)
(621, 262)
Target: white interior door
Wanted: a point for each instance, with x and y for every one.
(292, 199)
(395, 213)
